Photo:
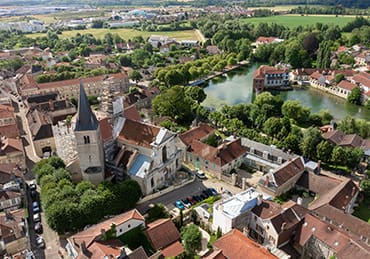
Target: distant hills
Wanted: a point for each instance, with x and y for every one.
(344, 3)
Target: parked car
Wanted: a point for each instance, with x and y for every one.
(214, 192)
(179, 204)
(38, 228)
(186, 202)
(202, 196)
(209, 192)
(200, 174)
(36, 217)
(197, 198)
(33, 194)
(35, 207)
(33, 186)
(191, 200)
(227, 192)
(40, 242)
(205, 193)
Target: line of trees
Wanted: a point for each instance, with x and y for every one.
(70, 207)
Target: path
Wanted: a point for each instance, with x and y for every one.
(200, 36)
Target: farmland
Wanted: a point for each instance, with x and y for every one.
(127, 33)
(296, 20)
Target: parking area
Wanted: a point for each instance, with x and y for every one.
(194, 188)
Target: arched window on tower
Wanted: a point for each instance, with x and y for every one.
(164, 154)
(87, 139)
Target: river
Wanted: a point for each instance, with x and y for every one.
(236, 87)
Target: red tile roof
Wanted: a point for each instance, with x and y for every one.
(90, 234)
(235, 245)
(8, 171)
(106, 130)
(197, 133)
(6, 111)
(132, 113)
(289, 170)
(162, 233)
(362, 79)
(346, 85)
(138, 133)
(67, 83)
(9, 131)
(100, 249)
(10, 145)
(266, 39)
(173, 250)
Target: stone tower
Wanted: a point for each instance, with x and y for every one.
(89, 141)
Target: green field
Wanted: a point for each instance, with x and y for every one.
(127, 33)
(296, 20)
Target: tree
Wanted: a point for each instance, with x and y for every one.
(174, 103)
(158, 211)
(311, 138)
(196, 93)
(339, 77)
(192, 239)
(135, 76)
(272, 126)
(310, 43)
(324, 151)
(355, 96)
(339, 156)
(324, 55)
(294, 110)
(365, 186)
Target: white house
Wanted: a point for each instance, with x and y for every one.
(235, 211)
(81, 243)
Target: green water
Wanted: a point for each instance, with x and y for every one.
(236, 87)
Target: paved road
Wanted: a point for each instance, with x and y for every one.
(190, 189)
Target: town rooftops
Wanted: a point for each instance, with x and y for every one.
(235, 245)
(39, 124)
(12, 225)
(240, 203)
(162, 233)
(197, 133)
(318, 183)
(268, 40)
(288, 170)
(89, 235)
(142, 134)
(106, 130)
(339, 138)
(337, 239)
(362, 78)
(8, 145)
(344, 84)
(6, 111)
(8, 172)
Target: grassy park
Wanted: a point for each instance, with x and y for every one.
(296, 20)
(127, 33)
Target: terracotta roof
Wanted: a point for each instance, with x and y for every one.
(106, 130)
(132, 113)
(347, 222)
(11, 226)
(138, 253)
(339, 241)
(338, 197)
(9, 131)
(138, 133)
(6, 111)
(67, 83)
(216, 254)
(197, 133)
(319, 184)
(263, 70)
(346, 85)
(266, 39)
(90, 234)
(8, 172)
(334, 136)
(316, 75)
(267, 209)
(288, 170)
(27, 82)
(173, 250)
(162, 233)
(352, 140)
(362, 79)
(235, 245)
(100, 249)
(342, 49)
(8, 145)
(6, 195)
(39, 124)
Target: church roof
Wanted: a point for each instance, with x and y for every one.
(86, 119)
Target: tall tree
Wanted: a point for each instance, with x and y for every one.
(311, 138)
(192, 239)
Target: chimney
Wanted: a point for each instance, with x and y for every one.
(267, 180)
(283, 226)
(83, 247)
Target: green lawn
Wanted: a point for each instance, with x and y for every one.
(363, 211)
(126, 33)
(296, 20)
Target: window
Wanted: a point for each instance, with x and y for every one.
(128, 225)
(164, 154)
(152, 182)
(87, 139)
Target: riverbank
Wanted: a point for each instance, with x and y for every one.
(236, 87)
